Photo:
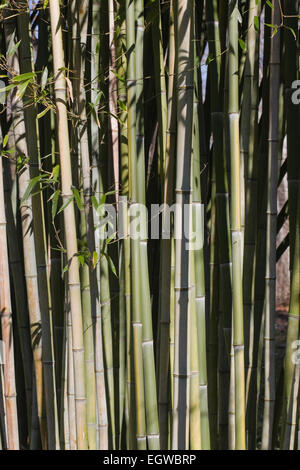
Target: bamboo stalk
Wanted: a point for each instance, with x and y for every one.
(25, 57)
(269, 396)
(102, 417)
(166, 244)
(236, 234)
(6, 328)
(30, 267)
(184, 13)
(134, 244)
(70, 226)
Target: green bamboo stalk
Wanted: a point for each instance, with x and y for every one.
(134, 244)
(184, 72)
(236, 233)
(249, 145)
(102, 417)
(18, 127)
(112, 99)
(70, 226)
(200, 297)
(125, 245)
(70, 386)
(258, 290)
(195, 415)
(147, 333)
(221, 196)
(269, 396)
(249, 118)
(292, 113)
(86, 216)
(64, 409)
(17, 272)
(293, 329)
(165, 289)
(172, 341)
(160, 84)
(88, 341)
(25, 57)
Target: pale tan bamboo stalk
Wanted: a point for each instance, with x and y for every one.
(7, 333)
(69, 221)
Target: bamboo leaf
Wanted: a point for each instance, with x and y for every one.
(95, 259)
(32, 183)
(77, 199)
(44, 78)
(242, 44)
(23, 77)
(70, 199)
(5, 140)
(22, 89)
(55, 203)
(13, 49)
(55, 173)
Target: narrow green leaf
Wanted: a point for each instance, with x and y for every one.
(65, 204)
(32, 183)
(77, 199)
(54, 203)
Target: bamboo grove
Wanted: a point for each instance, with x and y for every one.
(124, 342)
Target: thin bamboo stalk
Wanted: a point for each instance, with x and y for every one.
(102, 413)
(32, 142)
(198, 210)
(30, 268)
(134, 244)
(165, 289)
(112, 99)
(269, 396)
(7, 333)
(236, 234)
(184, 72)
(70, 226)
(147, 333)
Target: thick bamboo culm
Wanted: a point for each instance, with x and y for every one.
(149, 206)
